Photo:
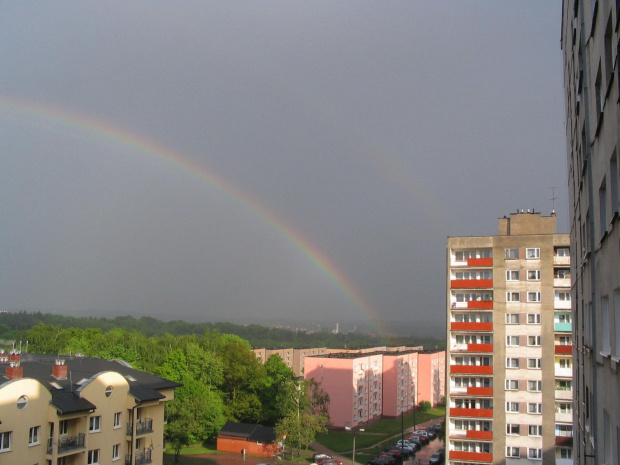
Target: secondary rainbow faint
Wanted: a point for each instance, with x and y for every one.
(98, 130)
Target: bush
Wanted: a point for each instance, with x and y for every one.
(425, 405)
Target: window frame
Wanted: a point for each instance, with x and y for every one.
(534, 408)
(94, 424)
(513, 452)
(537, 385)
(537, 340)
(537, 455)
(509, 383)
(510, 405)
(34, 436)
(93, 457)
(510, 361)
(535, 251)
(511, 316)
(116, 452)
(117, 420)
(510, 275)
(6, 438)
(536, 277)
(513, 429)
(509, 254)
(537, 432)
(534, 363)
(510, 296)
(510, 339)
(534, 296)
(537, 317)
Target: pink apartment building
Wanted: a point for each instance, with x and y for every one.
(363, 387)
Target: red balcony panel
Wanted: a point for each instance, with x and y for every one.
(471, 283)
(484, 435)
(563, 441)
(480, 304)
(472, 369)
(471, 456)
(479, 347)
(479, 262)
(564, 350)
(471, 412)
(479, 391)
(461, 326)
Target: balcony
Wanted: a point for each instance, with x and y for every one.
(471, 456)
(484, 435)
(479, 391)
(563, 417)
(471, 347)
(472, 369)
(67, 444)
(480, 304)
(561, 282)
(562, 327)
(557, 260)
(471, 326)
(471, 412)
(471, 283)
(563, 372)
(563, 349)
(561, 304)
(480, 262)
(142, 427)
(564, 394)
(563, 441)
(144, 457)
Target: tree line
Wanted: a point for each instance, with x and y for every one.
(222, 380)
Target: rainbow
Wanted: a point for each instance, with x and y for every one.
(99, 129)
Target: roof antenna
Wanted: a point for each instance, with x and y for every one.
(553, 198)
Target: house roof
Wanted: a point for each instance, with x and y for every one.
(251, 432)
(65, 396)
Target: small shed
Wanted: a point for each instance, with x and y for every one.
(247, 438)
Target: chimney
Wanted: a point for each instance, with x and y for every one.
(14, 356)
(14, 371)
(59, 370)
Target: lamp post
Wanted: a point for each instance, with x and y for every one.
(353, 430)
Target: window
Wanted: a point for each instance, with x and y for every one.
(534, 340)
(512, 318)
(566, 453)
(534, 386)
(532, 253)
(562, 296)
(512, 362)
(94, 425)
(534, 363)
(562, 252)
(22, 402)
(512, 254)
(513, 296)
(512, 407)
(93, 456)
(563, 385)
(534, 407)
(565, 363)
(33, 436)
(534, 454)
(565, 340)
(512, 341)
(534, 430)
(565, 408)
(534, 296)
(108, 391)
(512, 384)
(512, 275)
(533, 275)
(117, 420)
(116, 451)
(512, 452)
(513, 429)
(63, 427)
(561, 273)
(533, 318)
(5, 441)
(602, 207)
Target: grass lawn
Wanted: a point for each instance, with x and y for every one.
(342, 441)
(195, 449)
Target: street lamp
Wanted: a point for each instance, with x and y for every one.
(351, 428)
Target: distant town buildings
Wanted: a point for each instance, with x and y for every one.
(510, 380)
(363, 386)
(590, 41)
(75, 410)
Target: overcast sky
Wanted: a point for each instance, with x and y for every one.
(267, 160)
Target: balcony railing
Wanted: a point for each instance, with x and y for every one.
(471, 456)
(67, 444)
(471, 326)
(563, 327)
(563, 349)
(142, 427)
(472, 369)
(471, 283)
(144, 457)
(471, 412)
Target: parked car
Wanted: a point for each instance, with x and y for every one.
(416, 438)
(442, 452)
(431, 433)
(318, 457)
(435, 459)
(383, 460)
(396, 453)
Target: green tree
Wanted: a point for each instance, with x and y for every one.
(300, 425)
(277, 377)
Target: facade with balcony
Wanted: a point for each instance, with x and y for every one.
(111, 413)
(508, 309)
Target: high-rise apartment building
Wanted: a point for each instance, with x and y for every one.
(509, 383)
(592, 91)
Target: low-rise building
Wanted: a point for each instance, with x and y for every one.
(77, 410)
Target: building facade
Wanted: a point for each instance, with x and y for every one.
(364, 386)
(592, 90)
(509, 383)
(75, 411)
